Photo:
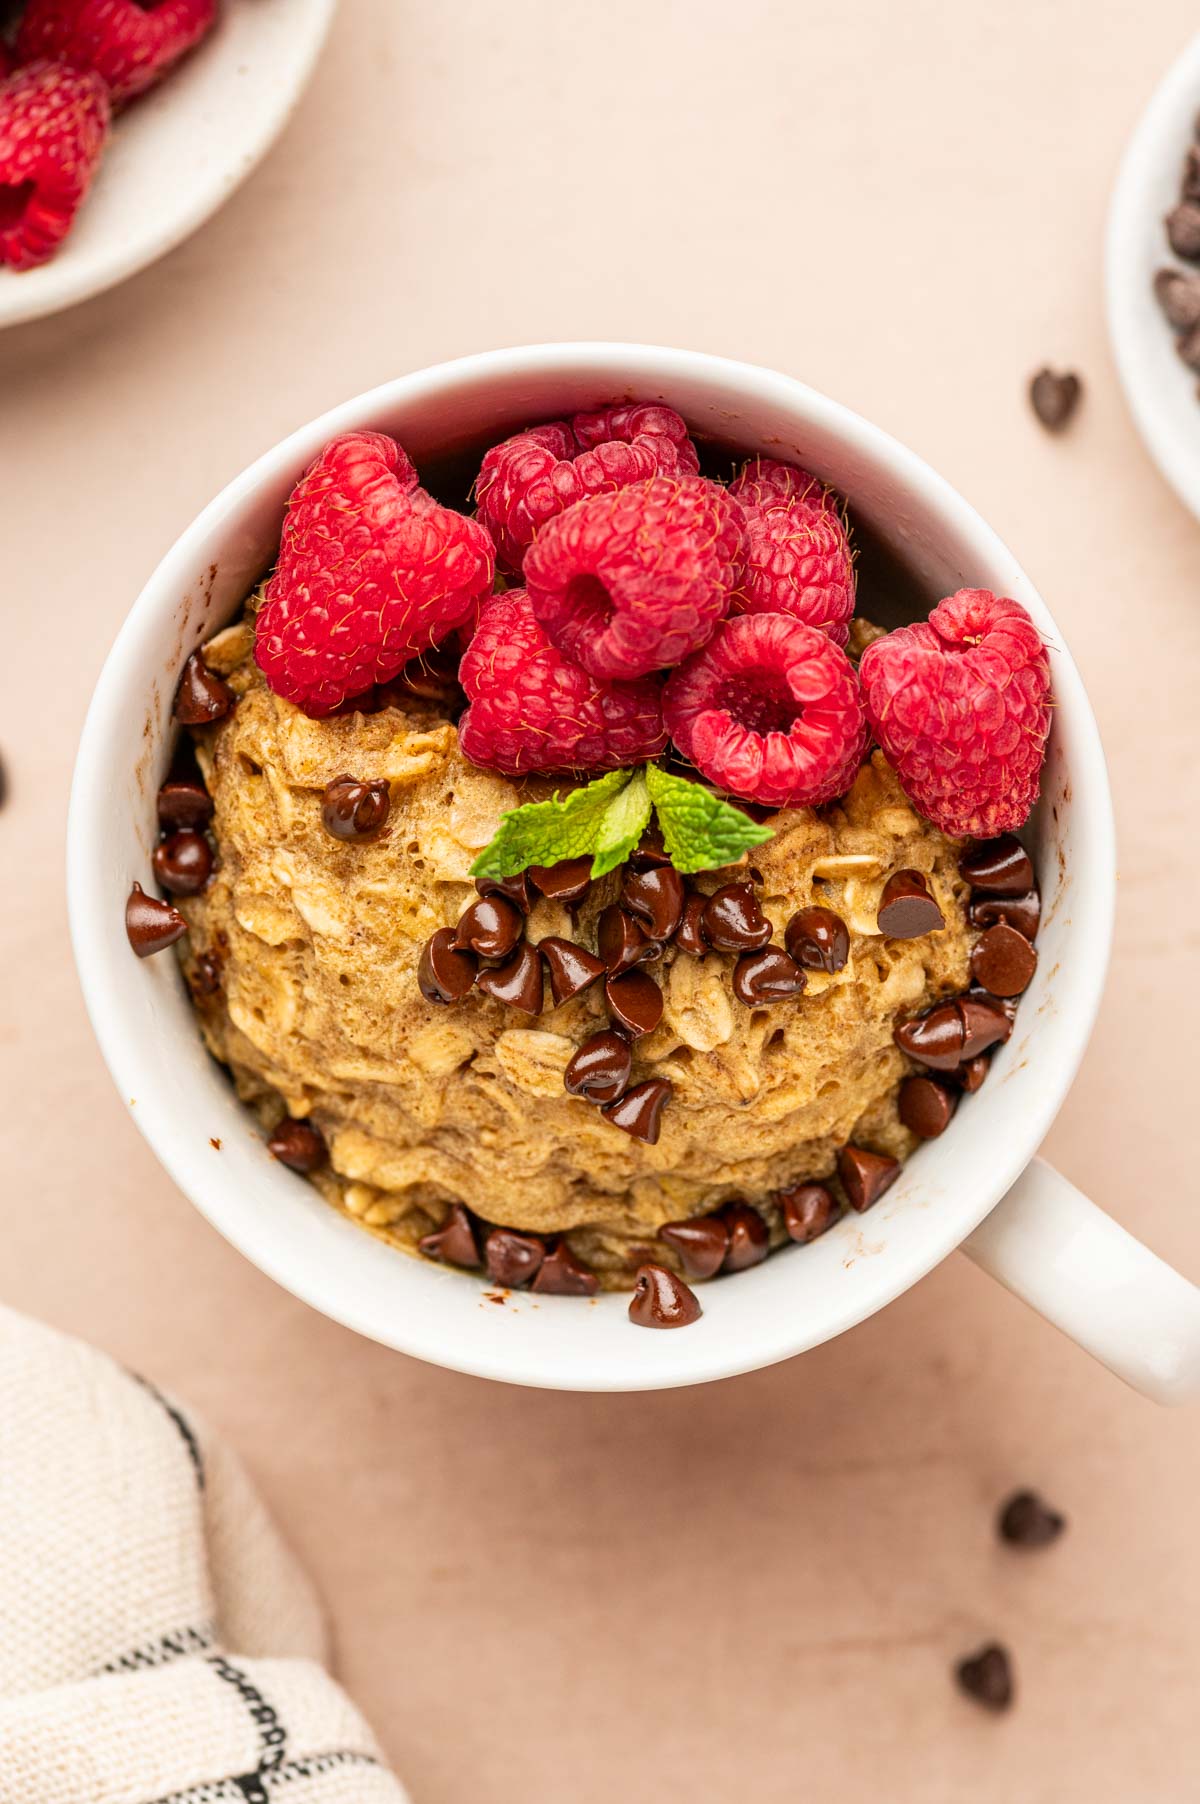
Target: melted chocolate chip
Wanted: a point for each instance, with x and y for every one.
(514, 889)
(733, 919)
(808, 1209)
(639, 1112)
(351, 810)
(934, 1039)
(490, 928)
(817, 939)
(661, 1300)
(771, 975)
(454, 1242)
(701, 1243)
(517, 982)
(202, 695)
(621, 941)
(926, 1107)
(987, 1677)
(986, 1022)
(906, 908)
(749, 1237)
(183, 863)
(865, 1175)
(1021, 912)
(512, 1259)
(1000, 867)
(561, 1275)
(691, 937)
(183, 802)
(566, 882)
(969, 1076)
(571, 968)
(205, 975)
(601, 1067)
(649, 854)
(445, 974)
(655, 899)
(1025, 1521)
(635, 1001)
(1003, 961)
(298, 1144)
(151, 925)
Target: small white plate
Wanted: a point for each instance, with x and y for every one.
(179, 152)
(1160, 389)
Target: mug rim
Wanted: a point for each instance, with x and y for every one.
(123, 676)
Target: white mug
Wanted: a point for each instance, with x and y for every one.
(979, 1187)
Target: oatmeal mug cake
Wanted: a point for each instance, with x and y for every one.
(581, 891)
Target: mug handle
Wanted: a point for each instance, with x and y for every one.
(1079, 1268)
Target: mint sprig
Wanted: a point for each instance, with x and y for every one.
(607, 818)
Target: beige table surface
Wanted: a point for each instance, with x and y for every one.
(755, 1589)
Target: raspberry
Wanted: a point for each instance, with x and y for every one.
(53, 127)
(765, 482)
(798, 558)
(961, 705)
(632, 582)
(533, 709)
(771, 711)
(129, 43)
(371, 571)
(530, 478)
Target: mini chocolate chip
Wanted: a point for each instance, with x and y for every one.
(701, 1243)
(183, 802)
(183, 862)
(205, 975)
(621, 941)
(969, 1076)
(986, 1022)
(514, 889)
(733, 919)
(1021, 912)
(1007, 1005)
(202, 695)
(1003, 961)
(987, 1677)
(818, 939)
(298, 1144)
(600, 1068)
(636, 1002)
(512, 1259)
(808, 1209)
(566, 882)
(906, 909)
(490, 928)
(926, 1107)
(639, 1112)
(1054, 398)
(562, 1275)
(151, 925)
(865, 1175)
(749, 1237)
(445, 974)
(1183, 230)
(661, 1300)
(1026, 1521)
(691, 938)
(1179, 296)
(934, 1039)
(454, 1242)
(649, 854)
(351, 810)
(517, 982)
(999, 867)
(571, 968)
(655, 899)
(771, 975)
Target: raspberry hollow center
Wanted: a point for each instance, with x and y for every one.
(762, 704)
(14, 198)
(590, 602)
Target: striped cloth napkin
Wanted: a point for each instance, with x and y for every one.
(158, 1643)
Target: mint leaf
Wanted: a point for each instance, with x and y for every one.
(596, 818)
(700, 831)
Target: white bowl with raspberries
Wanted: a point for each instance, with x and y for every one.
(978, 1184)
(123, 127)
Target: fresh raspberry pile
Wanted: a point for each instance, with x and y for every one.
(535, 475)
(72, 63)
(656, 607)
(961, 705)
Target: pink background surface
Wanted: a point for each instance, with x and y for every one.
(758, 1587)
